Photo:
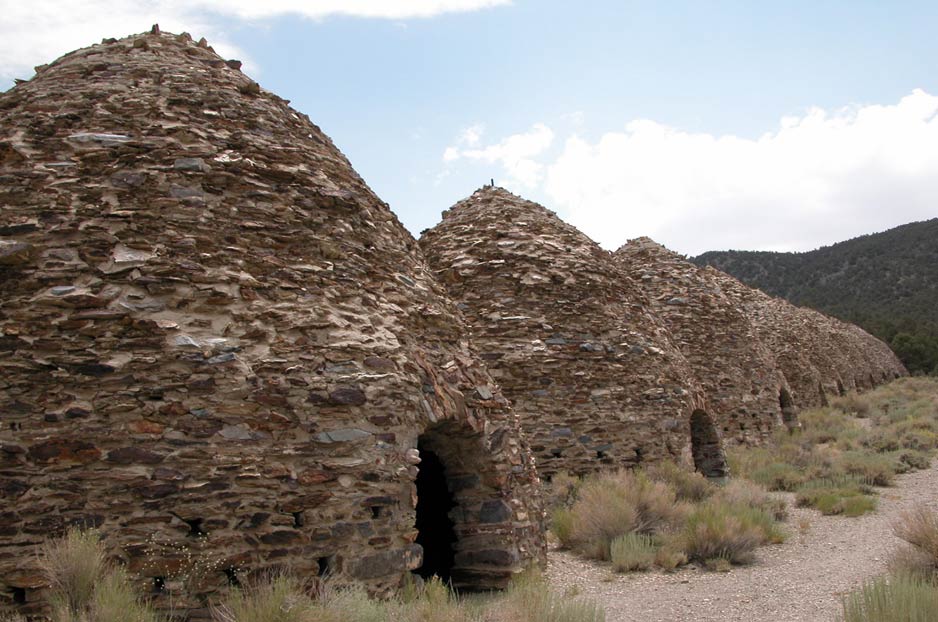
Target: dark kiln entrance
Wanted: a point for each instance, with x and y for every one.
(706, 447)
(789, 412)
(463, 521)
(434, 525)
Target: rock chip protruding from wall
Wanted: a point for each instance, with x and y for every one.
(589, 368)
(217, 344)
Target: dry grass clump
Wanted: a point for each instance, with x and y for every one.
(276, 598)
(852, 404)
(85, 587)
(281, 598)
(688, 485)
(528, 599)
(610, 505)
(892, 599)
(561, 525)
(561, 490)
(719, 530)
(919, 529)
(633, 551)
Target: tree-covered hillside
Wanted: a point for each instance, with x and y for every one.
(885, 282)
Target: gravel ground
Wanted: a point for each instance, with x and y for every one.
(800, 580)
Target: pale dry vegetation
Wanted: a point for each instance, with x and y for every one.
(909, 593)
(834, 461)
(84, 586)
(667, 517)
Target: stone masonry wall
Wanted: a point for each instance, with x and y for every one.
(821, 357)
(736, 371)
(214, 338)
(568, 335)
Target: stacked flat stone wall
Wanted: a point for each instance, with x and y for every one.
(219, 348)
(736, 371)
(569, 336)
(821, 357)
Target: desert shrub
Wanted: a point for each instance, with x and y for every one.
(561, 524)
(688, 485)
(853, 404)
(874, 469)
(916, 436)
(528, 599)
(670, 554)
(919, 527)
(276, 598)
(895, 599)
(633, 551)
(847, 495)
(747, 493)
(777, 476)
(912, 562)
(613, 504)
(434, 601)
(830, 427)
(719, 530)
(73, 565)
(911, 460)
(85, 587)
(601, 514)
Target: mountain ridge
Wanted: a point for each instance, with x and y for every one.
(885, 282)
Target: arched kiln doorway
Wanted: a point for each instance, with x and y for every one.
(463, 521)
(706, 447)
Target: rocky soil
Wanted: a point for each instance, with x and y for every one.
(800, 580)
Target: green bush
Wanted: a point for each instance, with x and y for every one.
(561, 524)
(874, 469)
(847, 495)
(893, 599)
(633, 551)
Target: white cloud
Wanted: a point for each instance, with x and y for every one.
(818, 178)
(514, 154)
(38, 31)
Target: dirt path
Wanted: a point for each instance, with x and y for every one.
(801, 580)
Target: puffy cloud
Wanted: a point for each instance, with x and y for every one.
(816, 179)
(514, 154)
(38, 31)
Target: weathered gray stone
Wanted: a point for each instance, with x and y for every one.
(343, 436)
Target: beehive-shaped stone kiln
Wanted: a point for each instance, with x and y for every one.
(820, 357)
(220, 348)
(569, 336)
(748, 395)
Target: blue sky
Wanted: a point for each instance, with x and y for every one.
(705, 125)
